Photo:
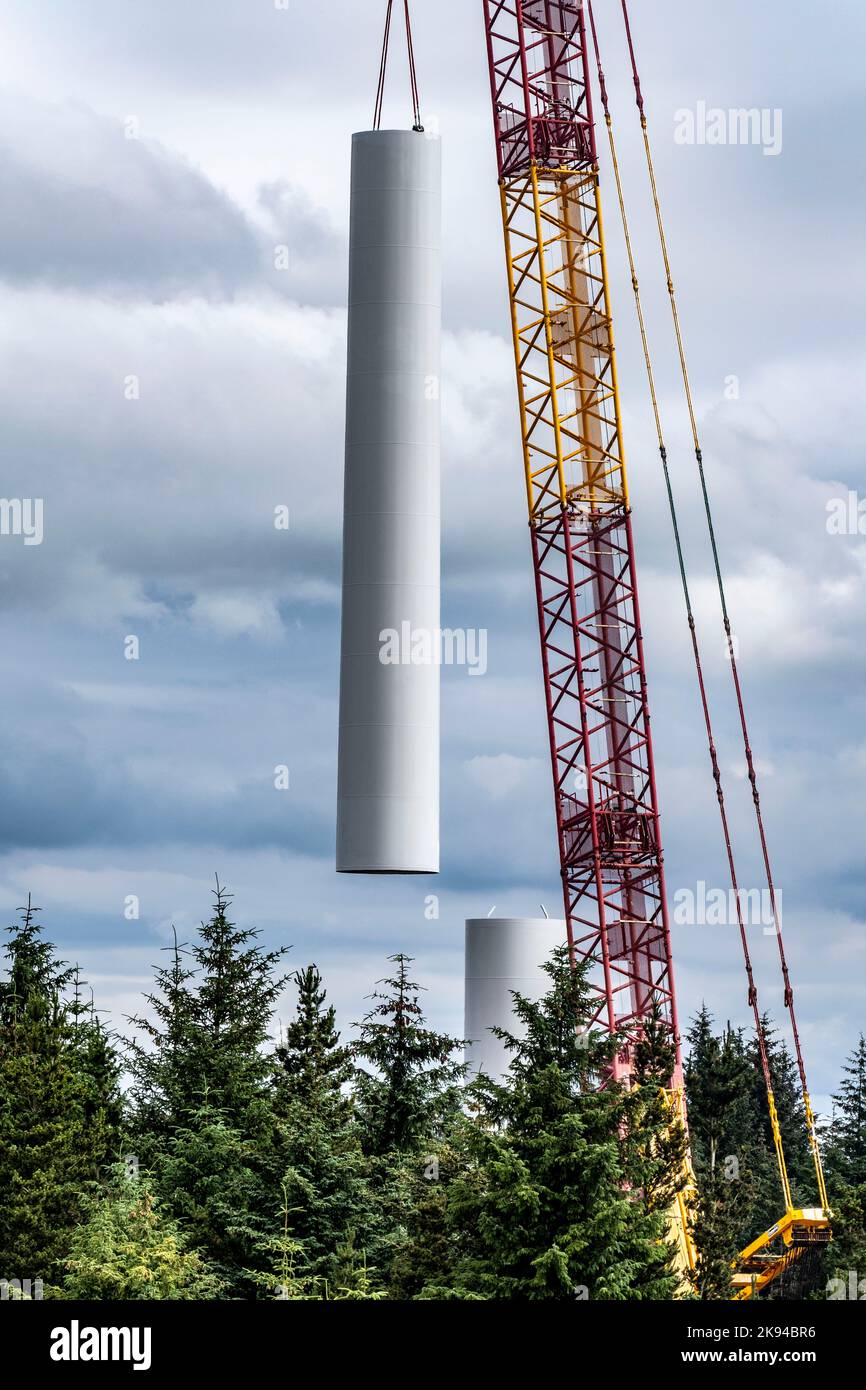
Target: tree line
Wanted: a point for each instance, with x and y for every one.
(196, 1159)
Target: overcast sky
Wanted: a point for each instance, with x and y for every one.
(152, 156)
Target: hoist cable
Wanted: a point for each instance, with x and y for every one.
(380, 90)
(811, 1123)
(383, 68)
(413, 73)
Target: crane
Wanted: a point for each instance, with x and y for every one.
(580, 524)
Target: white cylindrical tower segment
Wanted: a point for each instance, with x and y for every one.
(388, 779)
(503, 954)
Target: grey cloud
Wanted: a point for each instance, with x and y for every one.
(78, 789)
(232, 46)
(83, 207)
(158, 512)
(306, 259)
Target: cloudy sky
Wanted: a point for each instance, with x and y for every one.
(163, 387)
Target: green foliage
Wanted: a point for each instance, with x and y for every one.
(211, 1022)
(654, 1133)
(59, 1105)
(203, 1119)
(127, 1248)
(211, 1178)
(323, 1171)
(739, 1187)
(846, 1136)
(413, 1093)
(547, 1202)
(423, 1264)
(719, 1090)
(721, 1095)
(792, 1122)
(315, 1170)
(716, 1233)
(847, 1252)
(313, 1068)
(160, 1094)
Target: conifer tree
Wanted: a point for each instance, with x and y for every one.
(128, 1248)
(423, 1263)
(98, 1067)
(313, 1068)
(203, 1121)
(845, 1261)
(285, 1276)
(549, 1204)
(654, 1127)
(32, 969)
(792, 1123)
(719, 1088)
(215, 1179)
(59, 1106)
(236, 994)
(212, 1011)
(412, 1092)
(720, 1096)
(323, 1171)
(163, 1090)
(846, 1136)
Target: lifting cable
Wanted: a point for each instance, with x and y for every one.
(714, 761)
(383, 66)
(811, 1123)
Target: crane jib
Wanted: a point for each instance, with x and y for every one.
(593, 663)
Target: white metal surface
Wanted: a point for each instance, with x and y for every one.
(503, 954)
(388, 792)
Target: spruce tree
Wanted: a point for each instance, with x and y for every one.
(215, 1180)
(237, 988)
(128, 1248)
(792, 1123)
(737, 1172)
(846, 1136)
(846, 1253)
(412, 1092)
(424, 1261)
(549, 1204)
(313, 1068)
(98, 1067)
(212, 1009)
(654, 1129)
(719, 1087)
(719, 1093)
(163, 1089)
(59, 1106)
(204, 1122)
(32, 970)
(332, 1217)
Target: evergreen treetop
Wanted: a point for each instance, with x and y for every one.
(414, 1086)
(312, 1067)
(550, 1201)
(846, 1139)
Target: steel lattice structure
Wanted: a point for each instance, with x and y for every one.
(579, 513)
(583, 556)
